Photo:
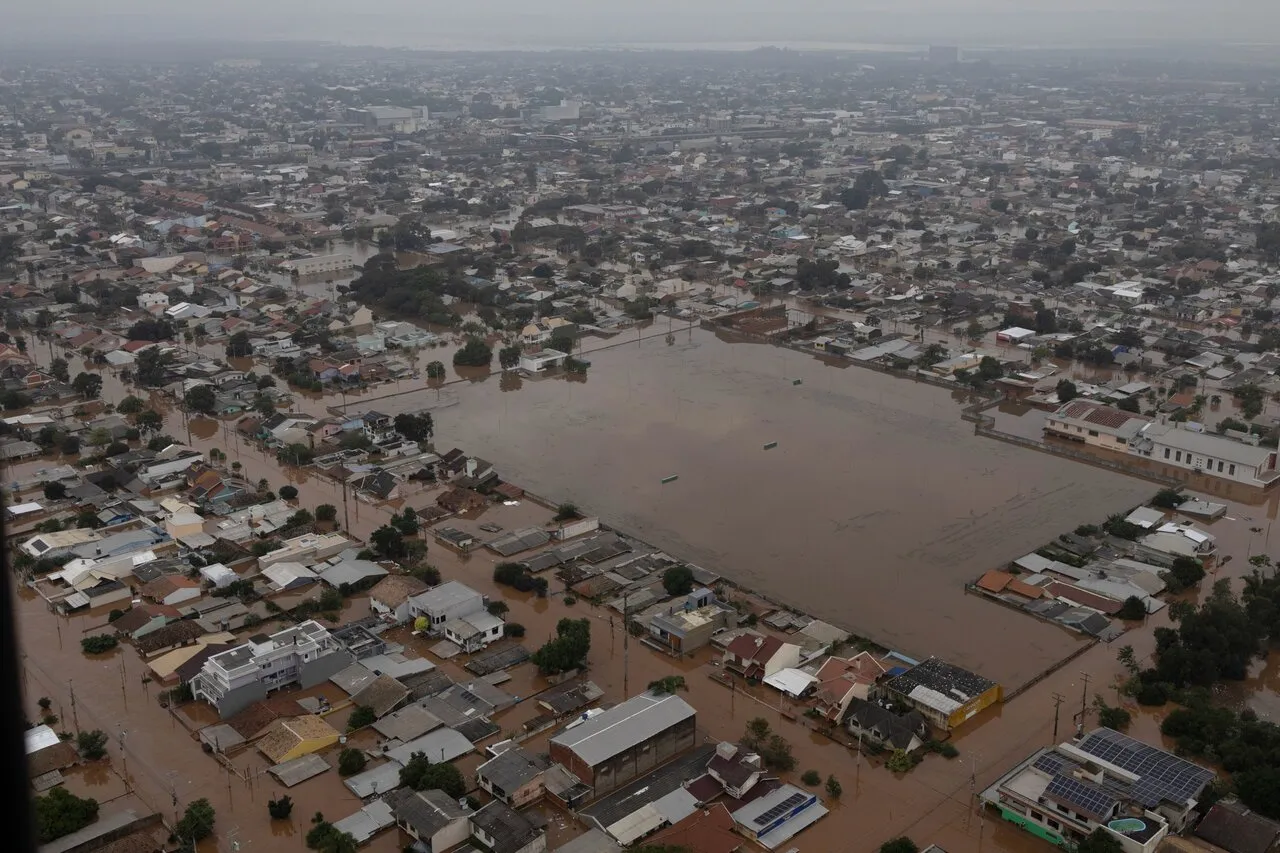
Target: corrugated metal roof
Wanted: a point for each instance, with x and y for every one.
(623, 726)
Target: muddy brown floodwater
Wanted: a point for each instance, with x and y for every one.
(874, 509)
(876, 506)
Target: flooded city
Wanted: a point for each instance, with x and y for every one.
(835, 448)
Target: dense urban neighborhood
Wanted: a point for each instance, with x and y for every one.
(665, 451)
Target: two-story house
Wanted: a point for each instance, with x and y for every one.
(1133, 792)
(449, 600)
(305, 654)
(758, 657)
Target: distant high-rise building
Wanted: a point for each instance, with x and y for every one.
(942, 54)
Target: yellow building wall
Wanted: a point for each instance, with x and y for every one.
(979, 703)
(309, 746)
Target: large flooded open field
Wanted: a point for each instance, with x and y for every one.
(876, 506)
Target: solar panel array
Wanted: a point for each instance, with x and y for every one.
(1051, 763)
(1086, 799)
(1162, 776)
(780, 809)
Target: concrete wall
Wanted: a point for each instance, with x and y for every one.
(321, 670)
(238, 698)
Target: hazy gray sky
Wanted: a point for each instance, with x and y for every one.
(530, 23)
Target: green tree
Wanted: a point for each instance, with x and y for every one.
(87, 385)
(202, 398)
(196, 823)
(99, 643)
(834, 789)
(566, 512)
(1111, 717)
(92, 745)
(669, 684)
(58, 370)
(1185, 573)
(324, 837)
(149, 421)
(325, 512)
(60, 813)
(421, 775)
(811, 778)
(389, 542)
(415, 427)
(474, 353)
(678, 580)
(899, 845)
(287, 492)
(351, 761)
(1132, 610)
(1168, 499)
(1067, 391)
(509, 357)
(54, 491)
(238, 345)
(280, 809)
(361, 716)
(756, 734)
(152, 367)
(1259, 789)
(435, 370)
(567, 651)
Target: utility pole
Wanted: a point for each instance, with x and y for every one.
(626, 644)
(1084, 700)
(1058, 699)
(124, 759)
(75, 720)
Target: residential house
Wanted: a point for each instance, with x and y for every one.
(736, 771)
(707, 830)
(944, 693)
(293, 738)
(688, 623)
(474, 632)
(142, 619)
(778, 816)
(502, 829)
(432, 818)
(758, 656)
(378, 426)
(449, 600)
(389, 597)
(514, 776)
(1231, 827)
(172, 589)
(842, 680)
(379, 484)
(626, 741)
(304, 654)
(1105, 781)
(867, 720)
(541, 331)
(1095, 424)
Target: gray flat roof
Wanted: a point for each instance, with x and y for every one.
(379, 780)
(299, 770)
(445, 595)
(443, 744)
(633, 722)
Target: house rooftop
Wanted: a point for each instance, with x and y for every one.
(623, 726)
(940, 685)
